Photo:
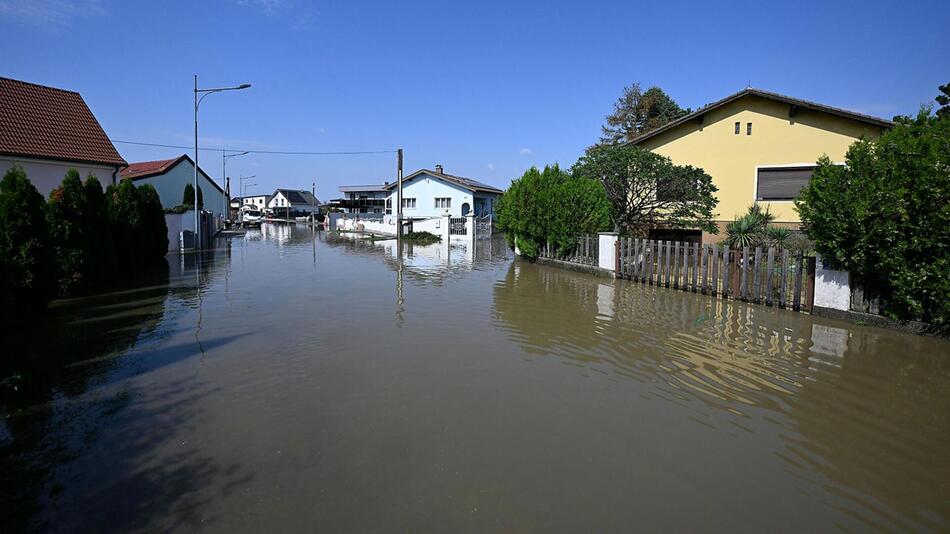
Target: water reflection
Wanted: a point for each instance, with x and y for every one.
(861, 412)
(51, 363)
(304, 380)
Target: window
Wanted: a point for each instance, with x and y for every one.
(389, 203)
(409, 203)
(748, 128)
(738, 125)
(781, 183)
(441, 203)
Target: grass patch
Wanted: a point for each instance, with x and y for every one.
(422, 238)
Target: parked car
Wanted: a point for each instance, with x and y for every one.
(251, 217)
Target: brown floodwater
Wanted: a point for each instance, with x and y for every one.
(292, 381)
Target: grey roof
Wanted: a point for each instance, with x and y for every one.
(362, 188)
(468, 183)
(298, 196)
(751, 91)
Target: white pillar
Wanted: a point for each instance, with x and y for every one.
(446, 228)
(470, 226)
(607, 251)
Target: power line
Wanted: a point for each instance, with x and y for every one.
(277, 152)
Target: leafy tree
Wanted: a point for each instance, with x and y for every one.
(636, 113)
(885, 216)
(551, 206)
(26, 274)
(647, 191)
(201, 199)
(944, 100)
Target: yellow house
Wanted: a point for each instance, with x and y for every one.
(759, 147)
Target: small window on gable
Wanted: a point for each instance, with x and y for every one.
(748, 128)
(738, 125)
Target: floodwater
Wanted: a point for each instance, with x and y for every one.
(296, 382)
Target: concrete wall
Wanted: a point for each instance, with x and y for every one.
(46, 175)
(171, 187)
(425, 188)
(776, 139)
(176, 222)
(832, 287)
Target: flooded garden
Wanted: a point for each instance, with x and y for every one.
(299, 381)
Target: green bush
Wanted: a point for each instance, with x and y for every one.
(422, 238)
(66, 215)
(885, 216)
(27, 281)
(551, 206)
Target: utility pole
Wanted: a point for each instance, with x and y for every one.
(399, 193)
(313, 205)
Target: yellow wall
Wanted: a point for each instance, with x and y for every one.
(776, 139)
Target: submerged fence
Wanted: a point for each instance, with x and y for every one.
(773, 276)
(584, 251)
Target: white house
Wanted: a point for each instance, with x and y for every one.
(363, 198)
(427, 193)
(170, 176)
(258, 201)
(49, 131)
(293, 203)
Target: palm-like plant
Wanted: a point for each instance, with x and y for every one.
(777, 236)
(743, 232)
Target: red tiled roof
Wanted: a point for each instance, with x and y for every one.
(139, 169)
(43, 122)
(146, 169)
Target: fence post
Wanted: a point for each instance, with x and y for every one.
(447, 229)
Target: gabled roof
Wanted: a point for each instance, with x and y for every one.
(467, 183)
(148, 169)
(751, 91)
(362, 188)
(43, 122)
(297, 196)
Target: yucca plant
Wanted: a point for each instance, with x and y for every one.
(744, 231)
(777, 236)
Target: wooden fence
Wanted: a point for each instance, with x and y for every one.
(584, 251)
(774, 277)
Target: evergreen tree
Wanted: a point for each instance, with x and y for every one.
(26, 275)
(636, 113)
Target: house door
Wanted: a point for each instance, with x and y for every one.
(465, 209)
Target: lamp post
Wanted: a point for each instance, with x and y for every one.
(224, 172)
(241, 186)
(204, 93)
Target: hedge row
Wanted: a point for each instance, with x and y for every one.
(78, 240)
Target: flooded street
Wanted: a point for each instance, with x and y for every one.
(297, 382)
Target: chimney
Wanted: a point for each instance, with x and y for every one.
(438, 169)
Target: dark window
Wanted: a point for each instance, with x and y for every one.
(782, 183)
(738, 125)
(748, 128)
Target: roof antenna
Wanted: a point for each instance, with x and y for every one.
(750, 85)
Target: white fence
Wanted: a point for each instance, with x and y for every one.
(441, 226)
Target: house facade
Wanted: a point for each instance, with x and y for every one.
(431, 193)
(49, 131)
(293, 203)
(760, 147)
(258, 201)
(170, 176)
(363, 198)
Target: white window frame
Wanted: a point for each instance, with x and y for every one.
(405, 203)
(443, 203)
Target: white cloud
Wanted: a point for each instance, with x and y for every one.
(50, 15)
(525, 152)
(320, 130)
(491, 166)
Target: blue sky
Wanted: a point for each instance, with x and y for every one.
(485, 88)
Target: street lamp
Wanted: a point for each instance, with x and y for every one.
(224, 173)
(241, 186)
(204, 93)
